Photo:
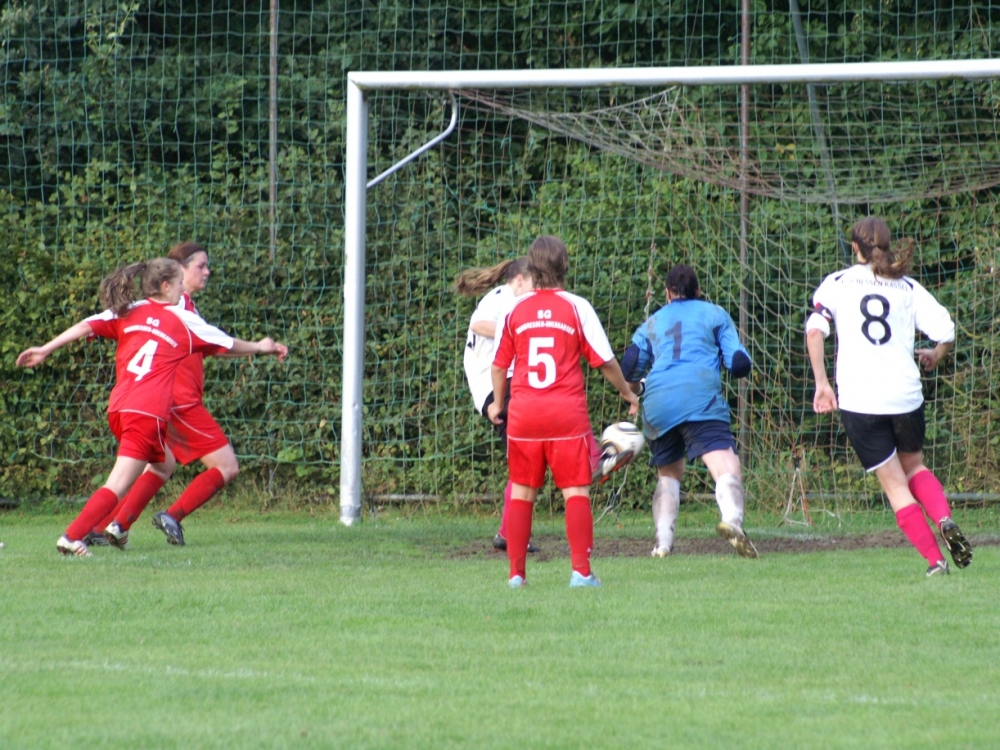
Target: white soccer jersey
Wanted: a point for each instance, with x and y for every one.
(478, 359)
(876, 319)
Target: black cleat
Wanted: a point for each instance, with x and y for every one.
(499, 543)
(957, 544)
(166, 523)
(940, 568)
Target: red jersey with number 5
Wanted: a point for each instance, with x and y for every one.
(545, 335)
(153, 339)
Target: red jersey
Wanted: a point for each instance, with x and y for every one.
(189, 383)
(545, 335)
(153, 339)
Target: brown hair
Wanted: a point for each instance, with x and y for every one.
(118, 291)
(683, 282)
(182, 252)
(475, 281)
(875, 245)
(548, 262)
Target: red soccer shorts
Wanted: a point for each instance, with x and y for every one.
(569, 459)
(193, 433)
(139, 435)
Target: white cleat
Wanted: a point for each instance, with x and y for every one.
(65, 547)
(661, 551)
(736, 537)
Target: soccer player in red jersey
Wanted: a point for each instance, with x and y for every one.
(548, 425)
(153, 337)
(192, 434)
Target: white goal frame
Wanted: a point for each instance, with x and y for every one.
(356, 172)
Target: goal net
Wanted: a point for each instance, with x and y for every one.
(637, 178)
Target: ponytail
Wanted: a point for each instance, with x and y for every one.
(474, 281)
(874, 242)
(118, 291)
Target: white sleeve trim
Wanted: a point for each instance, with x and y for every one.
(817, 322)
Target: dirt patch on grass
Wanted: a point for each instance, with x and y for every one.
(553, 546)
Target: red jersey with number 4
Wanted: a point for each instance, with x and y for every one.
(153, 339)
(189, 384)
(545, 335)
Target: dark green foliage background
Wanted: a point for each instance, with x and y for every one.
(129, 126)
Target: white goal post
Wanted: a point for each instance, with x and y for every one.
(356, 173)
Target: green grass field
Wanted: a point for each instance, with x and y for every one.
(284, 629)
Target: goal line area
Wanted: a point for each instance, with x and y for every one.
(751, 175)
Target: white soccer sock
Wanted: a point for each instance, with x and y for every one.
(729, 496)
(666, 506)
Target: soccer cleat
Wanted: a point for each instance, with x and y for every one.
(499, 543)
(175, 534)
(608, 464)
(957, 544)
(736, 537)
(661, 551)
(93, 539)
(517, 582)
(66, 547)
(939, 568)
(577, 581)
(116, 536)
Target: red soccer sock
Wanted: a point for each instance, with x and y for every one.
(196, 494)
(96, 508)
(506, 504)
(519, 526)
(580, 533)
(929, 493)
(147, 485)
(911, 520)
(103, 523)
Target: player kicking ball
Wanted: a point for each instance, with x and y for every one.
(876, 308)
(679, 350)
(548, 426)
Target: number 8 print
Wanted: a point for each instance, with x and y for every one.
(869, 318)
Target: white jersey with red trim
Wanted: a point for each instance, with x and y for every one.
(876, 320)
(478, 358)
(547, 332)
(153, 339)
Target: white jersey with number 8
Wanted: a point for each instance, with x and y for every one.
(876, 320)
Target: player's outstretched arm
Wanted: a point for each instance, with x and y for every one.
(266, 345)
(824, 400)
(613, 372)
(37, 354)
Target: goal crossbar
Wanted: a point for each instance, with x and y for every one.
(359, 83)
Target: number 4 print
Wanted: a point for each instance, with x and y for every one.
(142, 362)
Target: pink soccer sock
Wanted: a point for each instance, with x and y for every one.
(519, 526)
(147, 485)
(580, 533)
(506, 504)
(199, 492)
(911, 520)
(928, 491)
(96, 508)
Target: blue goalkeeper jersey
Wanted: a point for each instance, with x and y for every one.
(681, 348)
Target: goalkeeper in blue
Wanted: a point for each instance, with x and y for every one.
(674, 363)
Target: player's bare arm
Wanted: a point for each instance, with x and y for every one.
(37, 354)
(929, 358)
(485, 328)
(266, 345)
(824, 400)
(613, 372)
(499, 375)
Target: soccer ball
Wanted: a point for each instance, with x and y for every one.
(622, 437)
